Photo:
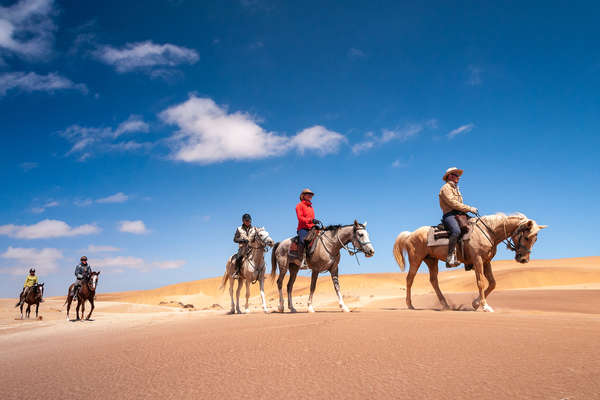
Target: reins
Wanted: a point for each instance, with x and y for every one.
(352, 252)
(510, 244)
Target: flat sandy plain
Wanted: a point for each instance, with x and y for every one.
(543, 342)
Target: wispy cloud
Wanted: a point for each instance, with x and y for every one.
(388, 135)
(136, 227)
(115, 198)
(28, 166)
(44, 260)
(105, 138)
(136, 263)
(48, 228)
(208, 133)
(461, 129)
(32, 82)
(474, 78)
(146, 56)
(41, 209)
(27, 29)
(355, 53)
(101, 249)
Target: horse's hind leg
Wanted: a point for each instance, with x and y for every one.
(313, 285)
(21, 308)
(262, 292)
(290, 287)
(82, 309)
(246, 309)
(231, 284)
(432, 264)
(37, 308)
(336, 286)
(77, 310)
(410, 277)
(280, 279)
(92, 309)
(28, 311)
(237, 297)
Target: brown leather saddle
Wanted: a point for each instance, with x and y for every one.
(311, 237)
(438, 235)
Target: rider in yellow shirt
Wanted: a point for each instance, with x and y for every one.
(30, 281)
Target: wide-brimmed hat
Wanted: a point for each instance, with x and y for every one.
(306, 191)
(450, 170)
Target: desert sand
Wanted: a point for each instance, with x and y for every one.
(542, 342)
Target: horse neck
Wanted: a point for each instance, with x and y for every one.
(257, 253)
(505, 226)
(343, 235)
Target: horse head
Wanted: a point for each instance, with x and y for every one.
(93, 280)
(360, 239)
(263, 237)
(524, 238)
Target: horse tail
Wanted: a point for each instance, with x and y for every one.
(274, 261)
(400, 247)
(225, 277)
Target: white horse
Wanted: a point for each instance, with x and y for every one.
(253, 269)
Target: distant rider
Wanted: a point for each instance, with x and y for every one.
(306, 221)
(30, 281)
(244, 234)
(451, 203)
(82, 273)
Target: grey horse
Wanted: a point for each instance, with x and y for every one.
(326, 257)
(253, 269)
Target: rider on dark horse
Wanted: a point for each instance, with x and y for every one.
(82, 273)
(30, 282)
(451, 203)
(243, 235)
(306, 222)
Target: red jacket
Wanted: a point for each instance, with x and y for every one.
(305, 214)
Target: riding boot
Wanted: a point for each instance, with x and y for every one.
(451, 260)
(305, 249)
(75, 293)
(238, 267)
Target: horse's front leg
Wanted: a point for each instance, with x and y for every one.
(231, 284)
(336, 286)
(77, 310)
(21, 308)
(91, 310)
(313, 285)
(68, 306)
(37, 307)
(237, 296)
(28, 311)
(82, 309)
(480, 301)
(290, 287)
(246, 309)
(262, 292)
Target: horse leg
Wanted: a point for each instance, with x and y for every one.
(21, 308)
(246, 309)
(282, 273)
(290, 287)
(77, 309)
(28, 311)
(487, 271)
(478, 264)
(237, 296)
(37, 307)
(432, 264)
(69, 299)
(313, 285)
(231, 284)
(82, 309)
(410, 277)
(336, 286)
(262, 292)
(92, 309)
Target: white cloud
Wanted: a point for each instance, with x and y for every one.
(28, 166)
(387, 135)
(83, 202)
(136, 227)
(32, 82)
(136, 263)
(355, 53)
(104, 139)
(44, 260)
(115, 198)
(398, 164)
(145, 56)
(27, 29)
(39, 210)
(208, 133)
(474, 78)
(169, 264)
(48, 228)
(101, 249)
(461, 129)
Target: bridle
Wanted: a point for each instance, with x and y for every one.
(351, 251)
(517, 247)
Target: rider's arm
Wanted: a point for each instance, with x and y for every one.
(448, 197)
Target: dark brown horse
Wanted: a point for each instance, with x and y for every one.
(87, 291)
(34, 296)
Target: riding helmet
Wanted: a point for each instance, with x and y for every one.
(32, 270)
(83, 258)
(246, 217)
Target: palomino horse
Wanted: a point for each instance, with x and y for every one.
(253, 269)
(519, 232)
(33, 297)
(87, 291)
(326, 257)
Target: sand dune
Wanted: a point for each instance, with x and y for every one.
(540, 344)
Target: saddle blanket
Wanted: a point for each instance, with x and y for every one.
(438, 236)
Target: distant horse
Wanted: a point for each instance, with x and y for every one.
(34, 296)
(519, 233)
(325, 257)
(253, 269)
(87, 291)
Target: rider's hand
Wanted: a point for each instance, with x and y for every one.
(316, 222)
(474, 210)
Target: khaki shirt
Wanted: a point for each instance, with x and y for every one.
(243, 233)
(451, 199)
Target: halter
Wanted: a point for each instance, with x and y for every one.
(509, 242)
(351, 251)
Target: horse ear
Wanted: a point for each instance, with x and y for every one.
(355, 223)
(365, 224)
(98, 272)
(530, 224)
(542, 226)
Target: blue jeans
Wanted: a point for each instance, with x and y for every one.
(301, 235)
(451, 224)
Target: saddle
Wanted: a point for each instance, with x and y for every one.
(311, 238)
(438, 235)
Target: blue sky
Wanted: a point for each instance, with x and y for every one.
(138, 136)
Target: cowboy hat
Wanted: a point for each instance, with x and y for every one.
(306, 191)
(450, 170)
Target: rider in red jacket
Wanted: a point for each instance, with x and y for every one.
(306, 218)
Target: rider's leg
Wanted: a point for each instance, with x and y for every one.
(452, 225)
(76, 290)
(302, 247)
(239, 257)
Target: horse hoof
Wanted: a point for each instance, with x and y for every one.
(475, 305)
(311, 309)
(266, 311)
(293, 310)
(487, 308)
(344, 308)
(246, 311)
(280, 309)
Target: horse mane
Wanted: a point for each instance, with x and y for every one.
(497, 218)
(333, 227)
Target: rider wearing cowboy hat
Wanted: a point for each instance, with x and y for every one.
(306, 219)
(82, 271)
(30, 282)
(451, 203)
(243, 235)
